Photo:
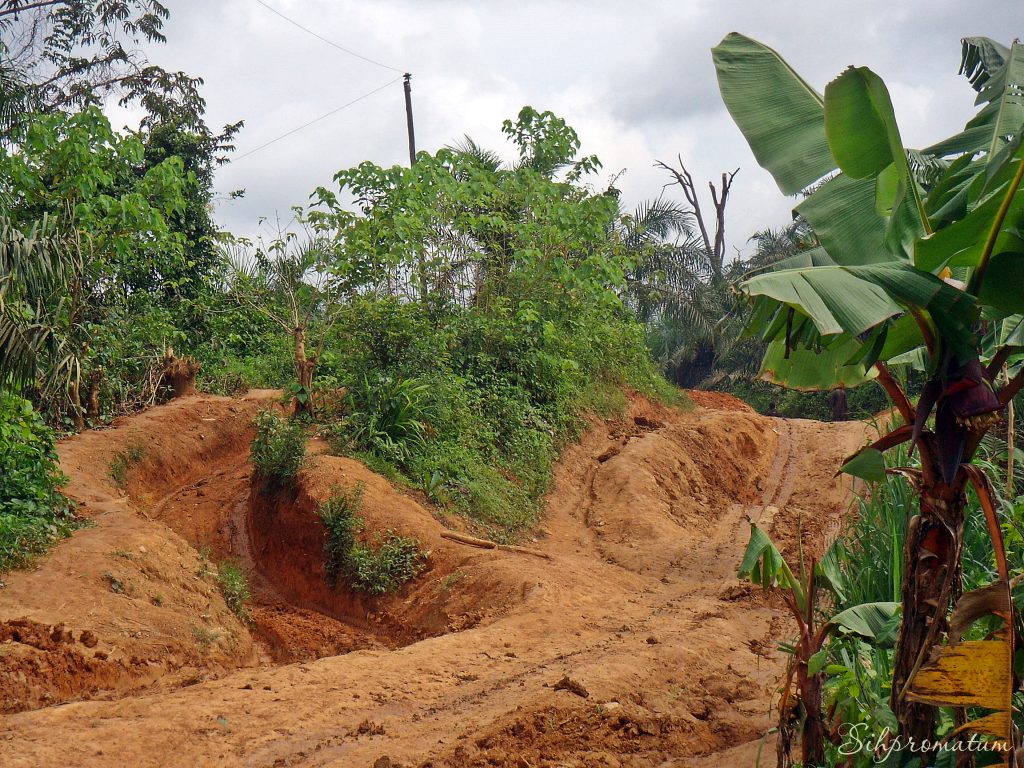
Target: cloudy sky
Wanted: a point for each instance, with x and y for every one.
(634, 79)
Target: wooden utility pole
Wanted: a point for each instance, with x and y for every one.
(421, 266)
(408, 118)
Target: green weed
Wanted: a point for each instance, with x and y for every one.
(375, 568)
(234, 586)
(124, 460)
(278, 450)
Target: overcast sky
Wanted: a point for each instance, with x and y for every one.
(635, 80)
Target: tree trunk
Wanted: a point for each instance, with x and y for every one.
(180, 373)
(93, 401)
(76, 403)
(931, 581)
(812, 738)
(305, 367)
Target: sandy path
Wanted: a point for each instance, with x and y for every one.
(639, 605)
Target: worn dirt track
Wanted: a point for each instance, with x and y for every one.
(638, 606)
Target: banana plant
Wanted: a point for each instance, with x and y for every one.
(919, 262)
(801, 591)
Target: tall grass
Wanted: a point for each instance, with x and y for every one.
(870, 550)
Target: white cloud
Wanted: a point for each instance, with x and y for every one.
(634, 79)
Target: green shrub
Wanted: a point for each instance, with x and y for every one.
(234, 586)
(33, 512)
(279, 448)
(125, 460)
(340, 516)
(387, 566)
(374, 568)
(386, 418)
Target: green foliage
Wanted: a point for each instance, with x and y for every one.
(340, 516)
(387, 565)
(374, 568)
(234, 586)
(102, 221)
(483, 316)
(33, 512)
(279, 448)
(386, 419)
(863, 402)
(124, 460)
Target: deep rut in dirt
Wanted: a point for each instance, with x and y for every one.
(634, 645)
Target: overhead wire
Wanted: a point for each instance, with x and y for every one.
(331, 43)
(315, 120)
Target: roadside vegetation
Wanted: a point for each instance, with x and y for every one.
(377, 566)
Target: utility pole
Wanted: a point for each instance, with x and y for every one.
(408, 118)
(421, 266)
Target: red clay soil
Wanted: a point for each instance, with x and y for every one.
(718, 401)
(629, 643)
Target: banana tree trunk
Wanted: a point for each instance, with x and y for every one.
(812, 737)
(932, 580)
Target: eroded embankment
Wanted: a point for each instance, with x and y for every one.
(635, 601)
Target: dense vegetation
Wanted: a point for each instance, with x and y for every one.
(32, 510)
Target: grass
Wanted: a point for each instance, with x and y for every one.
(450, 581)
(377, 568)
(234, 586)
(278, 450)
(124, 460)
(205, 637)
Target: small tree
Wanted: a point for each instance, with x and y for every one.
(292, 281)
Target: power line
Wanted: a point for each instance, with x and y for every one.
(316, 120)
(329, 42)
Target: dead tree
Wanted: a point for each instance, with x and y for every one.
(713, 245)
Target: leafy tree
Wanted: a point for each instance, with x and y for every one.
(458, 227)
(102, 237)
(919, 263)
(73, 53)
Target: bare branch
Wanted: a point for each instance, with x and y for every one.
(14, 8)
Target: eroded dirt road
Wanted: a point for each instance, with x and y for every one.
(665, 658)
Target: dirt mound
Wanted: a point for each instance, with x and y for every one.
(718, 401)
(147, 602)
(287, 540)
(631, 643)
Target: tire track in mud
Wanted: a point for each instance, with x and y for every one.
(626, 634)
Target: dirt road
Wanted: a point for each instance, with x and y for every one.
(633, 645)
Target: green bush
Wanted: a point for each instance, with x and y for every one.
(340, 516)
(125, 460)
(279, 448)
(387, 566)
(472, 405)
(33, 512)
(386, 418)
(234, 586)
(375, 568)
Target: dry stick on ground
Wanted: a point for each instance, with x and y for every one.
(473, 541)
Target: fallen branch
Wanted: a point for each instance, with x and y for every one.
(473, 541)
(470, 540)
